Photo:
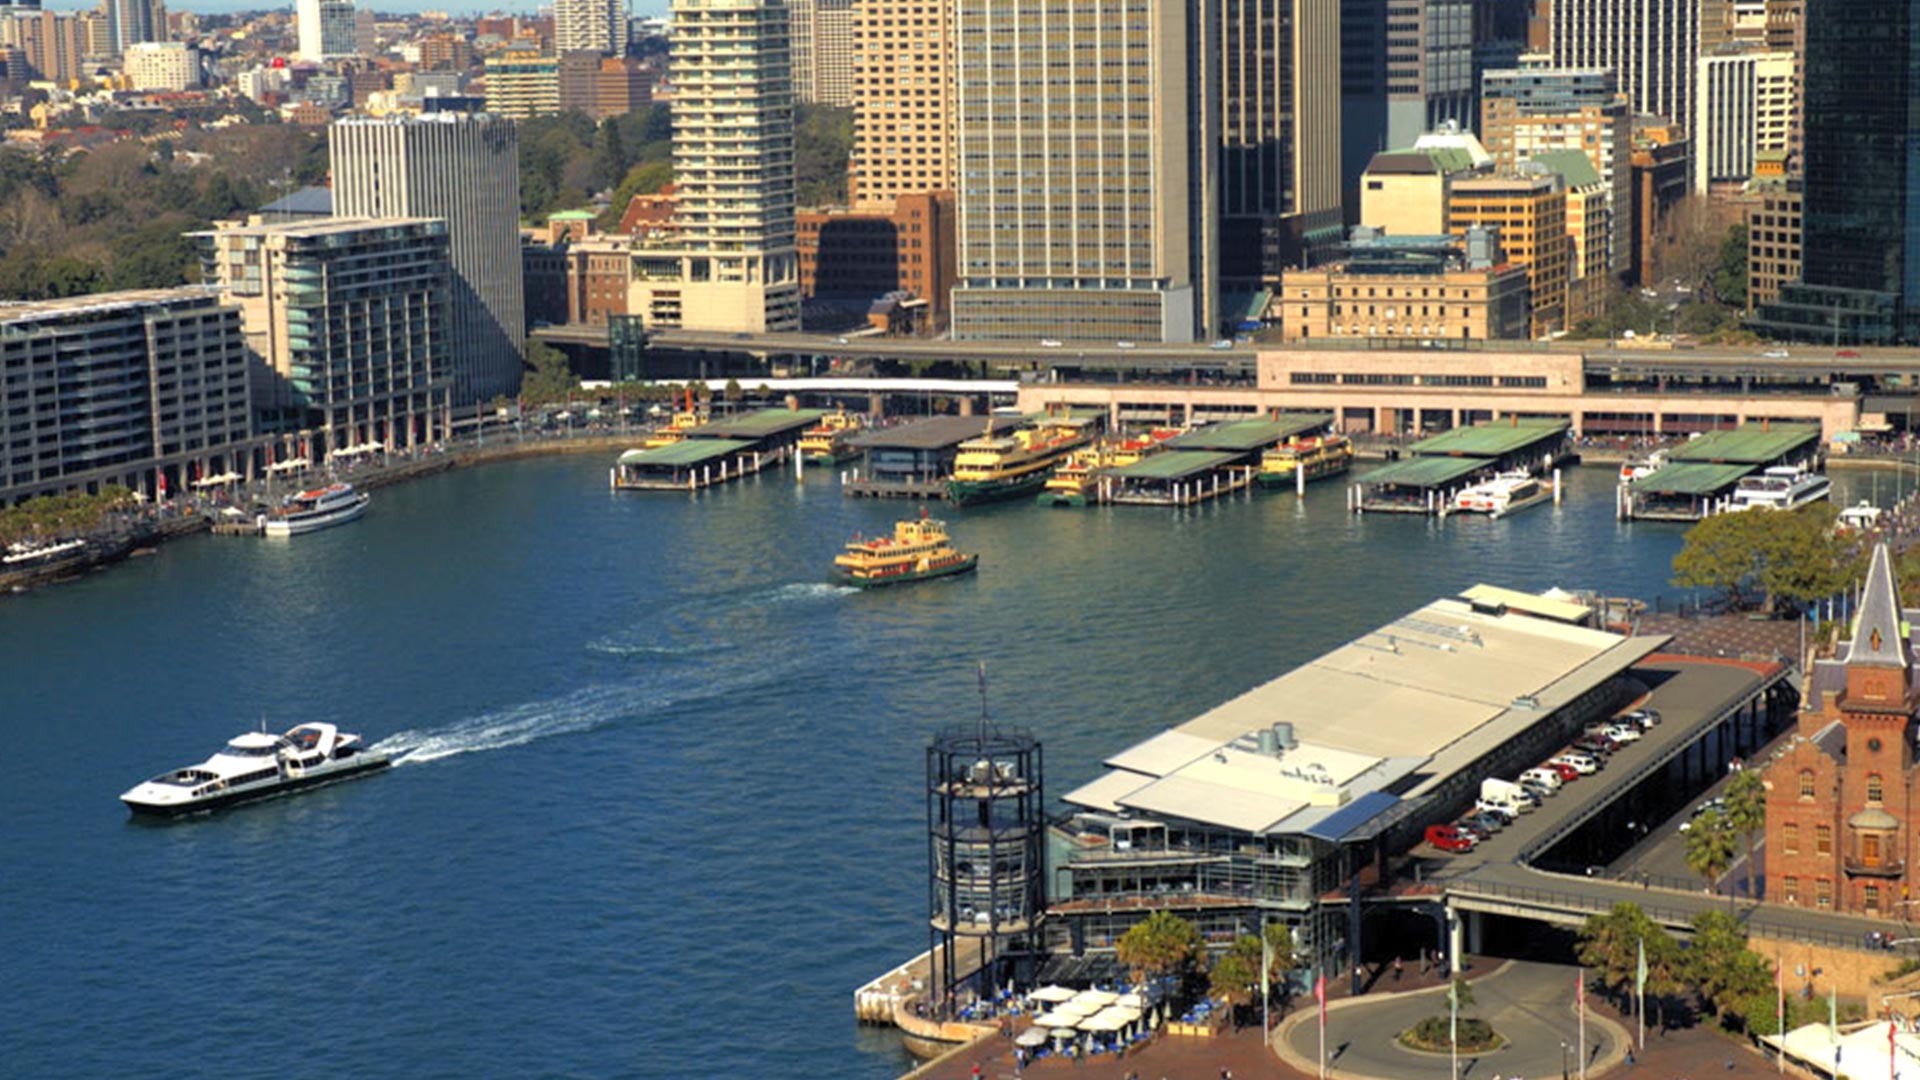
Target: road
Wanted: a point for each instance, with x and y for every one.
(1529, 1004)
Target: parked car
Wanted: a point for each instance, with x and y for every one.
(1123, 344)
(1596, 727)
(1847, 354)
(1567, 773)
(1595, 744)
(1581, 764)
(1451, 838)
(1049, 343)
(1483, 824)
(1716, 804)
(1223, 343)
(1776, 354)
(1543, 778)
(1624, 733)
(1505, 814)
(1644, 719)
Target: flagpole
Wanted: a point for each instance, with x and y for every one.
(1640, 993)
(1780, 1021)
(1320, 995)
(1581, 992)
(1453, 1024)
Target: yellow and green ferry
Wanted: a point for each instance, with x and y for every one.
(993, 467)
(827, 442)
(1323, 455)
(918, 550)
(684, 420)
(1077, 479)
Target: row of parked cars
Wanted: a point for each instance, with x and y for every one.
(1503, 801)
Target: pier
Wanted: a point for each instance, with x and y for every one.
(1437, 468)
(714, 453)
(913, 460)
(1700, 475)
(1176, 478)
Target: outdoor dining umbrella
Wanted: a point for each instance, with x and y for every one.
(1052, 994)
(1033, 1036)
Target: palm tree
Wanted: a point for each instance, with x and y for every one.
(1710, 848)
(1160, 944)
(1747, 814)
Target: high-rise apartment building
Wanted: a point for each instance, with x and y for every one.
(162, 65)
(1279, 135)
(603, 86)
(349, 321)
(732, 264)
(1081, 209)
(822, 51)
(523, 83)
(109, 387)
(463, 168)
(1529, 214)
(598, 26)
(1406, 68)
(51, 40)
(1860, 244)
(327, 29)
(1653, 47)
(1538, 108)
(1744, 106)
(130, 22)
(902, 73)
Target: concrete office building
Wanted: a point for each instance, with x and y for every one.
(1653, 46)
(1406, 67)
(597, 26)
(348, 320)
(110, 388)
(1082, 214)
(1529, 214)
(162, 65)
(130, 22)
(903, 93)
(732, 265)
(1773, 239)
(822, 51)
(603, 86)
(1538, 108)
(1744, 106)
(328, 29)
(523, 83)
(463, 168)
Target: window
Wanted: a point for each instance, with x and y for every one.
(1790, 889)
(1871, 897)
(1874, 789)
(1823, 892)
(1806, 783)
(1790, 838)
(1823, 839)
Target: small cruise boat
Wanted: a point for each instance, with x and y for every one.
(321, 508)
(1502, 495)
(828, 442)
(1860, 517)
(1321, 455)
(257, 765)
(919, 549)
(23, 554)
(1637, 468)
(1782, 487)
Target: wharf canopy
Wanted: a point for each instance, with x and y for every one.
(1257, 809)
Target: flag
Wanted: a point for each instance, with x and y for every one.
(1640, 970)
(1320, 995)
(1580, 990)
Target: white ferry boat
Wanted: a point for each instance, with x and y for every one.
(1860, 517)
(1505, 493)
(257, 765)
(1636, 468)
(24, 553)
(335, 504)
(1782, 487)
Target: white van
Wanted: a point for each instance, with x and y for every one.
(1507, 793)
(1545, 779)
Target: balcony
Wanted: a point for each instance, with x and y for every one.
(1856, 866)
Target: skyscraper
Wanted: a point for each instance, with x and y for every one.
(590, 26)
(823, 51)
(1082, 213)
(903, 69)
(463, 168)
(1406, 68)
(733, 264)
(1538, 108)
(327, 29)
(1652, 46)
(1860, 215)
(130, 22)
(1743, 107)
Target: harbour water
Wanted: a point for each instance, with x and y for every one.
(662, 810)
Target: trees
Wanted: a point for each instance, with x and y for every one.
(822, 139)
(1730, 276)
(1235, 975)
(1161, 944)
(1720, 964)
(1710, 848)
(548, 378)
(1611, 945)
(1746, 797)
(1792, 555)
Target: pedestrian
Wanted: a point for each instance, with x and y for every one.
(1629, 1057)
(976, 1071)
(1396, 969)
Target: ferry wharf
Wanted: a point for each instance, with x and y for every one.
(914, 459)
(1433, 470)
(715, 453)
(1215, 460)
(1700, 474)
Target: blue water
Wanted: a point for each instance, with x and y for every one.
(663, 811)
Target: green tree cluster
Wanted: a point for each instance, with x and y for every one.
(566, 159)
(548, 379)
(1731, 979)
(1790, 555)
(1711, 847)
(1161, 945)
(49, 517)
(822, 142)
(1235, 975)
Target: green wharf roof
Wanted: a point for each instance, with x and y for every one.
(1241, 436)
(683, 453)
(1424, 472)
(1748, 444)
(1489, 440)
(1691, 478)
(1173, 465)
(758, 425)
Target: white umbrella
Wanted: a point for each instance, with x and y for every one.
(1105, 1021)
(1052, 994)
(1055, 1020)
(1133, 1000)
(1075, 1007)
(1034, 1036)
(1099, 998)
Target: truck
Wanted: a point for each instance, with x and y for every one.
(1497, 792)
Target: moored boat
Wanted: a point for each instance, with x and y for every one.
(23, 554)
(993, 467)
(1635, 468)
(827, 442)
(321, 508)
(257, 765)
(1073, 482)
(1860, 517)
(1782, 487)
(919, 549)
(683, 421)
(1324, 455)
(1502, 495)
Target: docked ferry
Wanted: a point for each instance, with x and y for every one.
(993, 467)
(1782, 487)
(1501, 495)
(827, 442)
(27, 553)
(1075, 480)
(257, 765)
(321, 508)
(683, 421)
(919, 549)
(1635, 468)
(1321, 455)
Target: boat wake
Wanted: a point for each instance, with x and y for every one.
(517, 725)
(805, 590)
(610, 647)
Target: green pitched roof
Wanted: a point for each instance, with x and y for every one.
(1748, 444)
(759, 424)
(684, 452)
(1691, 478)
(1173, 465)
(1572, 165)
(1490, 440)
(1244, 435)
(1424, 472)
